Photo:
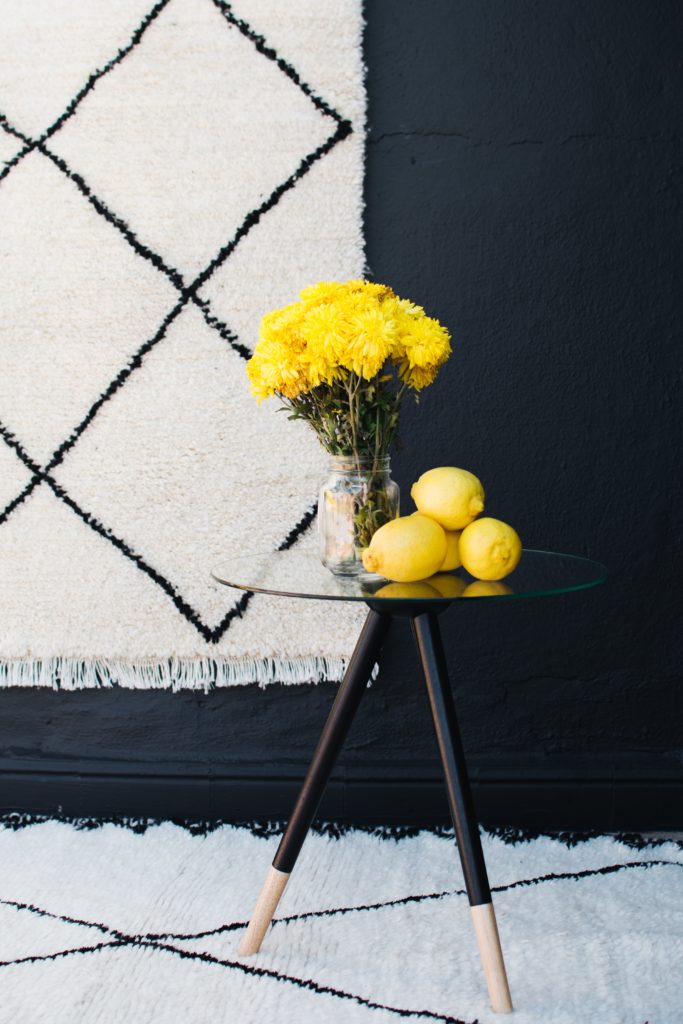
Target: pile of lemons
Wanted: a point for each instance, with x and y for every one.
(444, 533)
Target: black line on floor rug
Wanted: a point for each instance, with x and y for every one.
(608, 869)
(61, 954)
(419, 898)
(152, 941)
(122, 940)
(304, 983)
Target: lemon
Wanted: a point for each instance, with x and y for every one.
(452, 559)
(407, 591)
(447, 584)
(490, 549)
(406, 549)
(453, 497)
(487, 588)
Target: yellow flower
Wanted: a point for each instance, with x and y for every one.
(424, 342)
(337, 328)
(372, 337)
(418, 377)
(324, 291)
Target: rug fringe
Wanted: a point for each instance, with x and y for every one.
(169, 674)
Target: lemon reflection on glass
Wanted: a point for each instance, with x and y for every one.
(417, 591)
(443, 585)
(448, 584)
(487, 588)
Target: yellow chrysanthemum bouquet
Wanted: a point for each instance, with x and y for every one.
(342, 359)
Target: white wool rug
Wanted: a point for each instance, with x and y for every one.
(169, 171)
(113, 925)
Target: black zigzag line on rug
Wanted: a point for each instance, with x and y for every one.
(553, 876)
(19, 499)
(61, 954)
(41, 476)
(204, 307)
(305, 983)
(342, 130)
(402, 901)
(13, 442)
(250, 221)
(120, 939)
(171, 273)
(269, 52)
(87, 88)
(211, 635)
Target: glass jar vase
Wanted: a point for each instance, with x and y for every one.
(358, 497)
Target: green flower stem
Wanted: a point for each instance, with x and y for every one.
(357, 418)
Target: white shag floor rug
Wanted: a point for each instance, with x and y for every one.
(169, 171)
(111, 925)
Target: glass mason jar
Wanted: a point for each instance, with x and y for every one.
(358, 497)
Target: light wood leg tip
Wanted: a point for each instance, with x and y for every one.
(266, 905)
(488, 940)
(248, 948)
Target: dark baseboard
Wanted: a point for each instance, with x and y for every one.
(623, 795)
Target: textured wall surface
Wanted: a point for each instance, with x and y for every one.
(523, 183)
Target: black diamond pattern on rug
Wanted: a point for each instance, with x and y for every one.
(152, 256)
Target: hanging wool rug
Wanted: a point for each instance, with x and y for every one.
(114, 925)
(168, 173)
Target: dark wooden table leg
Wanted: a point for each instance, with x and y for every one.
(330, 743)
(430, 647)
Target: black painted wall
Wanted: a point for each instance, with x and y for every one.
(523, 182)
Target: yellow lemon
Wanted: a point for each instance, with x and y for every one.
(406, 549)
(453, 497)
(489, 549)
(447, 584)
(452, 559)
(487, 588)
(407, 591)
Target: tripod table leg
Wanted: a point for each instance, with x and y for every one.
(430, 647)
(330, 743)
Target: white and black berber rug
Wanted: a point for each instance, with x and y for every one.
(116, 924)
(169, 171)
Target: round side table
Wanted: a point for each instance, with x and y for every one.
(298, 574)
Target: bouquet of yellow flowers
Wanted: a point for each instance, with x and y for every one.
(329, 358)
(342, 358)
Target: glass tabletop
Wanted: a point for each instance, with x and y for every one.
(301, 574)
